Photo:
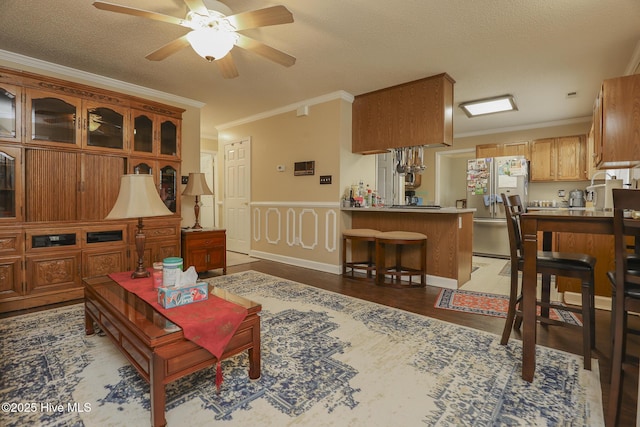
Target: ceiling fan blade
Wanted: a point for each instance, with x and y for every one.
(197, 6)
(138, 12)
(261, 18)
(168, 49)
(227, 66)
(262, 49)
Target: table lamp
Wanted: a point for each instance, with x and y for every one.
(138, 198)
(197, 186)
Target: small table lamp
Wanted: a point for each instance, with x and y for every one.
(138, 198)
(197, 186)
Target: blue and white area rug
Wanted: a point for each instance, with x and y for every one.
(327, 359)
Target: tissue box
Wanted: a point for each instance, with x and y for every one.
(174, 297)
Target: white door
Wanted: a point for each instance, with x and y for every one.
(207, 213)
(237, 195)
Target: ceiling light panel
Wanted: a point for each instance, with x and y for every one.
(496, 104)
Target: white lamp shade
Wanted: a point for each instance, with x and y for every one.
(197, 185)
(138, 198)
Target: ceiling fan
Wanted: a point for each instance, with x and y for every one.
(214, 31)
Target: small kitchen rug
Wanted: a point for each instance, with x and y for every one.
(490, 305)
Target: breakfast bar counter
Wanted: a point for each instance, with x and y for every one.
(449, 234)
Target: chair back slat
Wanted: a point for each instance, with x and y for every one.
(626, 225)
(513, 210)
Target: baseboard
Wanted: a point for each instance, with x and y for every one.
(574, 298)
(441, 282)
(327, 268)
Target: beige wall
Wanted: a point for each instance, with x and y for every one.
(298, 219)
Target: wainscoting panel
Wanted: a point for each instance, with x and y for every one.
(306, 231)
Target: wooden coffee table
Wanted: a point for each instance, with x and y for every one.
(160, 355)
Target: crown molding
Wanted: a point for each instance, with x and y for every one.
(341, 94)
(574, 121)
(97, 79)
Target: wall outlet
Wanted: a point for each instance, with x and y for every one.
(325, 179)
(560, 193)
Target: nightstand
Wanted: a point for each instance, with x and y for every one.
(205, 249)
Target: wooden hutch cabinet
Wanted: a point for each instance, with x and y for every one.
(63, 149)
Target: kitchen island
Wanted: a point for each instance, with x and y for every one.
(449, 234)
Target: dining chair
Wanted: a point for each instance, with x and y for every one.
(559, 264)
(625, 280)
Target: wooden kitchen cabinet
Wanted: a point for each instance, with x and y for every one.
(617, 123)
(559, 159)
(205, 249)
(498, 150)
(601, 247)
(409, 114)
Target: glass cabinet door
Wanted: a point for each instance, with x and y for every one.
(10, 113)
(169, 187)
(54, 119)
(142, 133)
(169, 137)
(104, 127)
(10, 184)
(143, 167)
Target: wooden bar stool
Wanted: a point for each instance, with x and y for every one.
(355, 236)
(400, 239)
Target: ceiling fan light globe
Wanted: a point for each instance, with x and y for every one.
(211, 42)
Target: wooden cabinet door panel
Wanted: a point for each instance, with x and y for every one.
(570, 158)
(543, 160)
(198, 258)
(10, 183)
(51, 179)
(10, 277)
(103, 262)
(11, 120)
(100, 185)
(599, 246)
(621, 121)
(217, 257)
(54, 271)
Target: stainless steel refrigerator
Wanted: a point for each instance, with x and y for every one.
(487, 178)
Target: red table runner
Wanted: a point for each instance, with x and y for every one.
(210, 323)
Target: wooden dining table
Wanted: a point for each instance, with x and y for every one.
(549, 222)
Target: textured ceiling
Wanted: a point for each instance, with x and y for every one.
(536, 50)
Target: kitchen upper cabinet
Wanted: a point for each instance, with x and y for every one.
(10, 113)
(559, 159)
(497, 150)
(617, 123)
(410, 114)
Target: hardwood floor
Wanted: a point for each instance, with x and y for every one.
(422, 300)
